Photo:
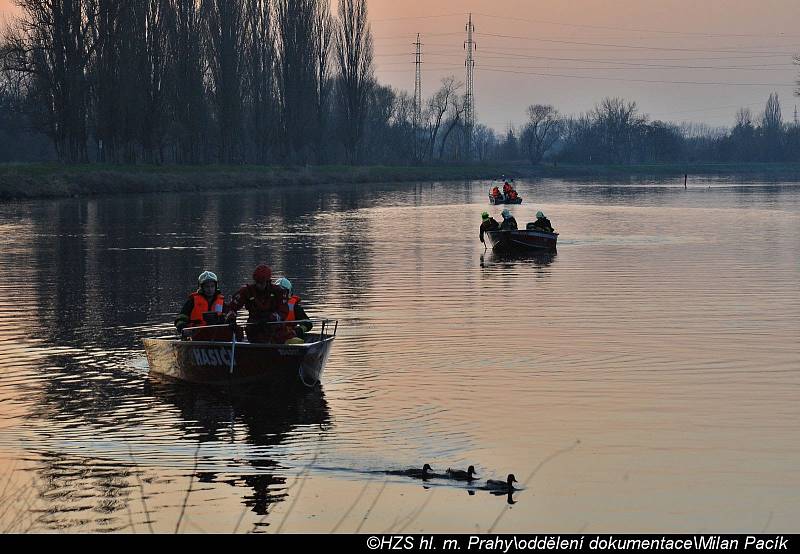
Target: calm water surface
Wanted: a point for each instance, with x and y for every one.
(646, 378)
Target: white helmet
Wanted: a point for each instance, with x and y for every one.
(207, 276)
(506, 214)
(285, 283)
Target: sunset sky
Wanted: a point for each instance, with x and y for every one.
(573, 53)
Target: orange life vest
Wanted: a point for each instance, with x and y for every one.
(201, 306)
(291, 303)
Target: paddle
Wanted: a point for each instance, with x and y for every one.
(233, 346)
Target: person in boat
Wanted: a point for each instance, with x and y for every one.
(509, 223)
(541, 224)
(295, 312)
(512, 195)
(496, 193)
(488, 224)
(265, 305)
(203, 307)
(507, 190)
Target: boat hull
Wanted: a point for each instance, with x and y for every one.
(209, 362)
(522, 240)
(493, 200)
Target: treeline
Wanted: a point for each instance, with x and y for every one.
(192, 81)
(616, 132)
(290, 82)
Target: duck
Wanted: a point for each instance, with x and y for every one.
(461, 475)
(502, 486)
(423, 473)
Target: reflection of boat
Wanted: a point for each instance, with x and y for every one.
(218, 415)
(242, 362)
(539, 258)
(524, 240)
(501, 200)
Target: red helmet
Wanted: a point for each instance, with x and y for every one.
(262, 273)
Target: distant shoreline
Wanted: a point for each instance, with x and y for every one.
(31, 181)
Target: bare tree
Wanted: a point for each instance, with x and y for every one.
(484, 141)
(772, 113)
(438, 106)
(796, 61)
(323, 33)
(772, 128)
(541, 131)
(187, 107)
(454, 119)
(52, 45)
(297, 75)
(224, 54)
(259, 74)
(617, 121)
(354, 56)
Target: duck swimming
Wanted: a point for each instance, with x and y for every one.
(502, 486)
(461, 475)
(423, 473)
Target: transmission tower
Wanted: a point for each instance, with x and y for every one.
(417, 94)
(469, 98)
(417, 83)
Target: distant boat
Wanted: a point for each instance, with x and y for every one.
(522, 240)
(501, 200)
(242, 362)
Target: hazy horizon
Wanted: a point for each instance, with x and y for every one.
(572, 55)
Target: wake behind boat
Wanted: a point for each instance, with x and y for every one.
(242, 362)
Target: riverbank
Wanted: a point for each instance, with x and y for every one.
(25, 181)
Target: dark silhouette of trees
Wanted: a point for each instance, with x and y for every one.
(52, 44)
(284, 81)
(541, 131)
(354, 57)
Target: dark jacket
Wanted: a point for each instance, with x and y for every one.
(509, 224)
(543, 224)
(260, 304)
(264, 306)
(488, 225)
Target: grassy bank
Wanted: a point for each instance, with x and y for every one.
(20, 181)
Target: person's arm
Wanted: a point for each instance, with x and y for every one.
(183, 317)
(236, 303)
(304, 327)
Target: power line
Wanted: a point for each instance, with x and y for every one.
(633, 80)
(715, 108)
(684, 59)
(620, 61)
(406, 37)
(644, 67)
(418, 17)
(635, 47)
(634, 30)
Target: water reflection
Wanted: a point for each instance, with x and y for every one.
(640, 328)
(268, 419)
(508, 259)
